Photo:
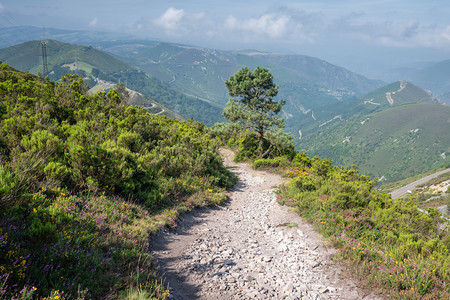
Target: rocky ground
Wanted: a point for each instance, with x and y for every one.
(249, 248)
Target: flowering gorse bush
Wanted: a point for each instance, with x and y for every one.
(84, 181)
(389, 244)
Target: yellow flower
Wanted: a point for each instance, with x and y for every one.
(34, 210)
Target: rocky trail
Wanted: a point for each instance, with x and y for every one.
(249, 248)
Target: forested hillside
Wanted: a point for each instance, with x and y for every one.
(391, 133)
(96, 66)
(392, 144)
(84, 180)
(305, 82)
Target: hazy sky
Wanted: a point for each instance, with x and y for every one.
(358, 34)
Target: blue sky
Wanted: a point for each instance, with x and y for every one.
(358, 34)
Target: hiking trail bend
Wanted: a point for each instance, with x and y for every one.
(249, 248)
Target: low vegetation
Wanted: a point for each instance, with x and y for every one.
(388, 244)
(84, 180)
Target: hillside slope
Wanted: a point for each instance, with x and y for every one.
(305, 82)
(392, 144)
(394, 94)
(85, 179)
(98, 67)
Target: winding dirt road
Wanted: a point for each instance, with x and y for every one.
(249, 248)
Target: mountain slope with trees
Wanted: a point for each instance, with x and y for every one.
(388, 96)
(305, 82)
(391, 144)
(97, 66)
(84, 179)
(340, 131)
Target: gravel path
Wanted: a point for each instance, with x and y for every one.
(249, 248)
(409, 187)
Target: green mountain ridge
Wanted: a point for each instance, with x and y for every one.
(62, 58)
(305, 82)
(394, 94)
(391, 144)
(97, 66)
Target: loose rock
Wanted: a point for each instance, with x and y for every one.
(243, 254)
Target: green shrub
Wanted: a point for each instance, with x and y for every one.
(388, 243)
(248, 147)
(301, 159)
(270, 162)
(8, 184)
(39, 231)
(321, 167)
(304, 183)
(84, 179)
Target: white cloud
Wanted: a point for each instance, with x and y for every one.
(93, 22)
(269, 24)
(446, 34)
(296, 25)
(171, 19)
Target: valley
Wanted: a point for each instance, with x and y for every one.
(88, 179)
(216, 150)
(324, 102)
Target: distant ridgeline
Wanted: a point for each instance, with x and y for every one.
(96, 67)
(392, 133)
(324, 110)
(305, 82)
(190, 80)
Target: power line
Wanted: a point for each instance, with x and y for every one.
(44, 43)
(76, 61)
(44, 59)
(16, 26)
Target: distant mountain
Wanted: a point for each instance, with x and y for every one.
(435, 78)
(393, 132)
(305, 82)
(322, 72)
(63, 58)
(99, 67)
(394, 144)
(390, 95)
